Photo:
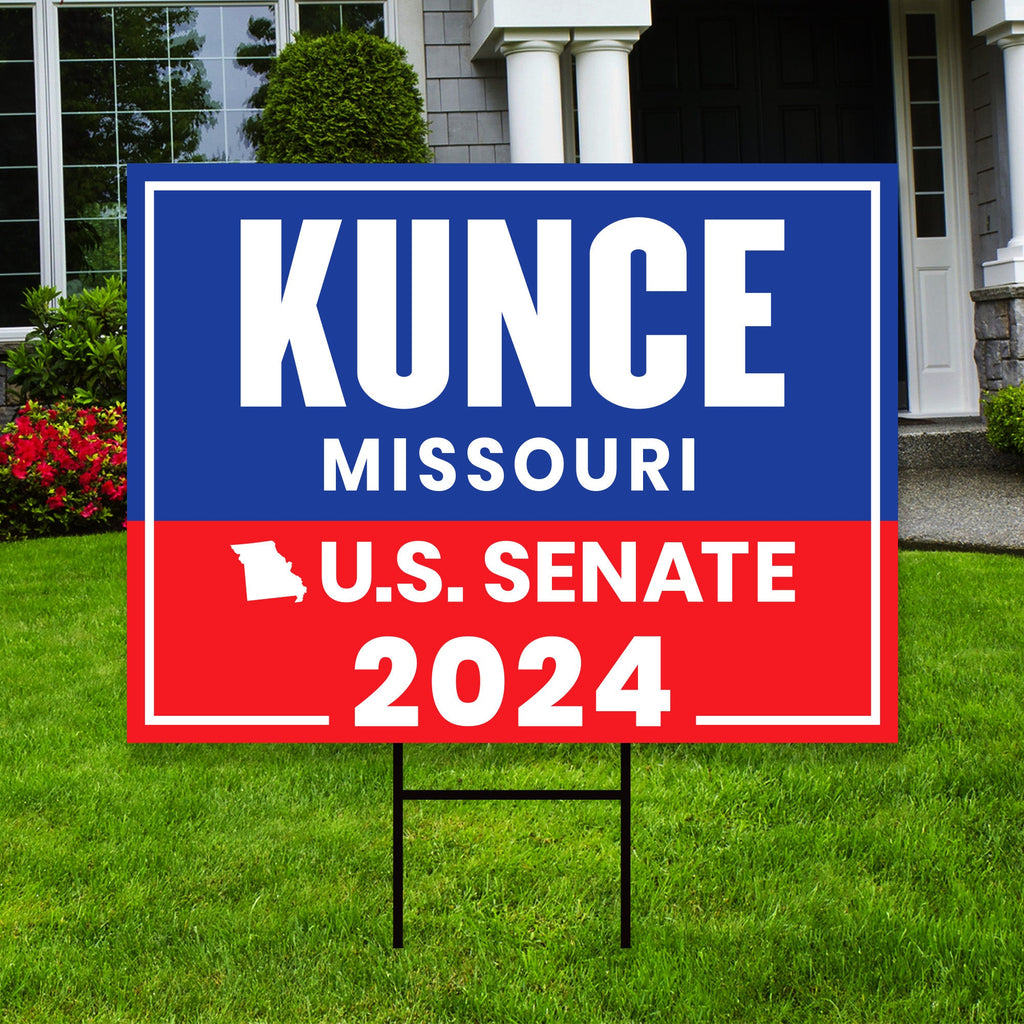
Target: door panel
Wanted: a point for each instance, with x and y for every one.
(709, 90)
(813, 84)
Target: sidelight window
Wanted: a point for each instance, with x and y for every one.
(925, 126)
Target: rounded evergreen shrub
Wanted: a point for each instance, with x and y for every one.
(1004, 411)
(348, 97)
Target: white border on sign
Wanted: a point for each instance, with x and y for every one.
(871, 187)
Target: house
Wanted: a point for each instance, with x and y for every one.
(936, 85)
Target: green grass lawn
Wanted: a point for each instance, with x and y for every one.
(253, 883)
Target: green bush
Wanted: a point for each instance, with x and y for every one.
(63, 471)
(78, 348)
(1004, 411)
(343, 98)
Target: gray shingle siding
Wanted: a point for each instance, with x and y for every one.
(467, 102)
(985, 102)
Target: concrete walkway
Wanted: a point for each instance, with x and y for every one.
(955, 492)
(972, 509)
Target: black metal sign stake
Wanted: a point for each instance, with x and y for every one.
(400, 794)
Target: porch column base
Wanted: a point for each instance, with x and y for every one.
(999, 334)
(1006, 268)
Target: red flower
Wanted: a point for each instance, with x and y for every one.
(57, 459)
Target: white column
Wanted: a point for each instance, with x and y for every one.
(1002, 22)
(1013, 64)
(535, 97)
(602, 96)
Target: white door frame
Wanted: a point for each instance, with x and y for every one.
(937, 272)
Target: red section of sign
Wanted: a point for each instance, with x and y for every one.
(728, 640)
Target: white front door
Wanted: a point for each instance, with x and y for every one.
(934, 215)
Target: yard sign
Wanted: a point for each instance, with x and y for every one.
(520, 454)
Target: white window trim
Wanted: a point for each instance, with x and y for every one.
(403, 22)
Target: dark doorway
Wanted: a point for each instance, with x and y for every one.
(756, 80)
(771, 81)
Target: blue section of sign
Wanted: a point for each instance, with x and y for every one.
(807, 460)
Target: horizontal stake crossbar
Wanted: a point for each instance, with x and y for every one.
(512, 794)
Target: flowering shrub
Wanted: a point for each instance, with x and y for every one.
(63, 469)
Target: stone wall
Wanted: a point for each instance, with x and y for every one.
(999, 334)
(6, 411)
(467, 102)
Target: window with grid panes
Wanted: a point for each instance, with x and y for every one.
(128, 82)
(322, 19)
(150, 84)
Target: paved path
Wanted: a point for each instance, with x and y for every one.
(971, 509)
